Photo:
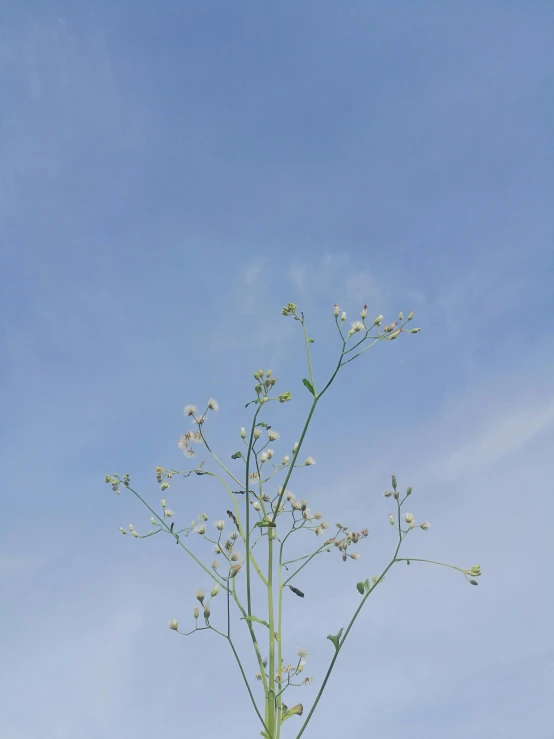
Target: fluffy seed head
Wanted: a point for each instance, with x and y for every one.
(190, 410)
(220, 525)
(272, 435)
(213, 405)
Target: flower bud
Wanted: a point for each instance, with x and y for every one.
(206, 612)
(257, 433)
(122, 530)
(200, 595)
(413, 330)
(163, 502)
(377, 321)
(391, 519)
(214, 590)
(425, 525)
(343, 316)
(410, 316)
(394, 482)
(409, 490)
(243, 433)
(196, 613)
(363, 314)
(395, 334)
(336, 310)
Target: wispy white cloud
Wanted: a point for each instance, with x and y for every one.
(498, 438)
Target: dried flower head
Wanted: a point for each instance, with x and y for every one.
(425, 525)
(174, 625)
(220, 524)
(302, 653)
(213, 405)
(190, 410)
(200, 529)
(200, 595)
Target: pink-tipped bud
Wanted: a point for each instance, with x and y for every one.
(412, 314)
(363, 314)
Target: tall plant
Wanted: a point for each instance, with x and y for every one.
(261, 519)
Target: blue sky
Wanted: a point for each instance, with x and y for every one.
(172, 174)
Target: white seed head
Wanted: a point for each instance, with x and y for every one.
(285, 460)
(174, 625)
(190, 410)
(201, 529)
(272, 435)
(409, 518)
(213, 405)
(309, 461)
(220, 525)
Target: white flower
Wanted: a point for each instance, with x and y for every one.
(190, 410)
(309, 461)
(285, 460)
(272, 435)
(357, 326)
(213, 405)
(168, 513)
(201, 529)
(173, 625)
(220, 525)
(409, 518)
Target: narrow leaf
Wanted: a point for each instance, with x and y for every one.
(257, 620)
(308, 384)
(294, 711)
(336, 639)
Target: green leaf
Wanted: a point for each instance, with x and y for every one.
(310, 341)
(236, 455)
(257, 620)
(366, 585)
(294, 711)
(361, 588)
(262, 424)
(308, 384)
(336, 639)
(265, 524)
